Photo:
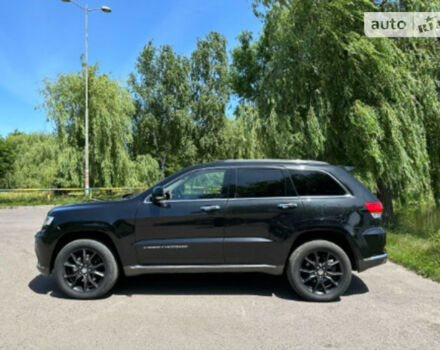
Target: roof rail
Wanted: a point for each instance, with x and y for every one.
(299, 161)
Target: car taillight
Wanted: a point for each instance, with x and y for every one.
(375, 209)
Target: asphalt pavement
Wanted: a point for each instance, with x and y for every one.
(387, 307)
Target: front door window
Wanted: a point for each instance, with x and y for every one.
(206, 184)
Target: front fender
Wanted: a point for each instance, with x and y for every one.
(111, 222)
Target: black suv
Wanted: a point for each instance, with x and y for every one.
(310, 220)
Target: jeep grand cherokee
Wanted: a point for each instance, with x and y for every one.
(312, 221)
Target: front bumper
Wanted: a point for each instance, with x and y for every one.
(44, 270)
(372, 261)
(43, 252)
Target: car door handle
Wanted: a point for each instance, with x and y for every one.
(285, 206)
(208, 208)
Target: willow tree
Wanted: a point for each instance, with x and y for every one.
(110, 111)
(35, 163)
(244, 134)
(424, 54)
(7, 156)
(162, 124)
(324, 90)
(210, 94)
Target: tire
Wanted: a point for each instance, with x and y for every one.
(85, 269)
(323, 276)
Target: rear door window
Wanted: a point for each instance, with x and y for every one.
(260, 182)
(315, 183)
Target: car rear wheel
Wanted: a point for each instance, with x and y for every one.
(85, 269)
(319, 271)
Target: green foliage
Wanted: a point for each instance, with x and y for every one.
(162, 124)
(311, 85)
(39, 162)
(325, 91)
(145, 171)
(245, 140)
(57, 160)
(245, 70)
(6, 159)
(422, 220)
(35, 163)
(210, 93)
(110, 111)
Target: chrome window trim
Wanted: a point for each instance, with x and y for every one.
(326, 197)
(284, 198)
(271, 166)
(147, 200)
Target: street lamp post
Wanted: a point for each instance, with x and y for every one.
(86, 82)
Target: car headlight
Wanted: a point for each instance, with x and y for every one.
(48, 221)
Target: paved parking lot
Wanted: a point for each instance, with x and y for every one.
(385, 308)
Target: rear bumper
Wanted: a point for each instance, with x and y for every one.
(372, 261)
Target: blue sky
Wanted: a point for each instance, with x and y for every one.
(41, 38)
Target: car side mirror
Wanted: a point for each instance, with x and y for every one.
(159, 194)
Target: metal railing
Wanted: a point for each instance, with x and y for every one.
(70, 189)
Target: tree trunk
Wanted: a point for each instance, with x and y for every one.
(163, 161)
(386, 197)
(435, 185)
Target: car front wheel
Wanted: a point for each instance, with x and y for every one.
(85, 269)
(319, 271)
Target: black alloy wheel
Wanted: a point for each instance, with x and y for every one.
(85, 269)
(319, 271)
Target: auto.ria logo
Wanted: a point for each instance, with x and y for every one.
(402, 24)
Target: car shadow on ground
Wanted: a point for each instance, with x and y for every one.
(198, 284)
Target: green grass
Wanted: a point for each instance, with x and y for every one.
(418, 253)
(414, 239)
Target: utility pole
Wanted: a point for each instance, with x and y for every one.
(86, 82)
